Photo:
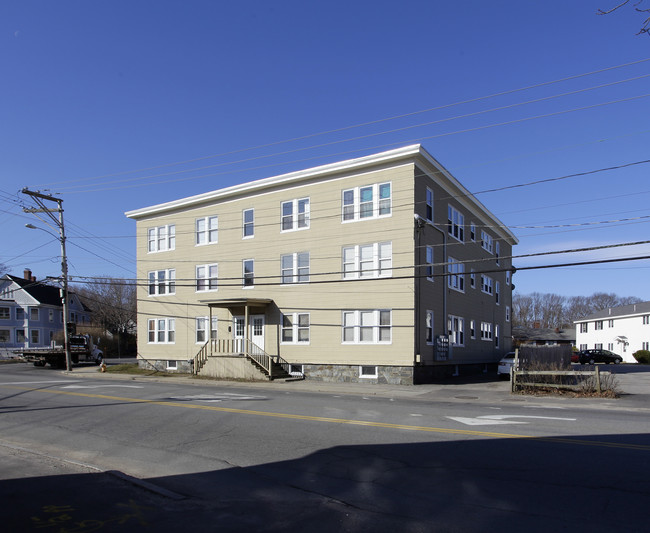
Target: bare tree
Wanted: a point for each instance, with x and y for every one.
(113, 304)
(554, 311)
(645, 28)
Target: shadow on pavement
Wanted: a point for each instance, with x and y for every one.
(595, 483)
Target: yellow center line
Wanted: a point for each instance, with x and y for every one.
(351, 422)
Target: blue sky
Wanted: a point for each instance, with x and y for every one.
(118, 105)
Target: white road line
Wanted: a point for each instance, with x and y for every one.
(102, 386)
(486, 420)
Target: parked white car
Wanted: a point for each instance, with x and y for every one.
(505, 364)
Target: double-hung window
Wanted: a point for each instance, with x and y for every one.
(206, 277)
(598, 324)
(295, 214)
(428, 327)
(5, 313)
(202, 329)
(507, 313)
(161, 238)
(207, 230)
(295, 328)
(584, 328)
(248, 272)
(472, 232)
(456, 329)
(371, 201)
(368, 260)
(161, 330)
(486, 331)
(295, 267)
(646, 319)
(487, 284)
(486, 241)
(429, 263)
(248, 222)
(373, 326)
(455, 275)
(497, 251)
(429, 205)
(162, 282)
(455, 223)
(497, 292)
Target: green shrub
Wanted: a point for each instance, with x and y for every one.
(642, 356)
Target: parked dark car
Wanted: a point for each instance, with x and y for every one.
(598, 356)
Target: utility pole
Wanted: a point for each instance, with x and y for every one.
(38, 198)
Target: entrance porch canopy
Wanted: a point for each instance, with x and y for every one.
(232, 303)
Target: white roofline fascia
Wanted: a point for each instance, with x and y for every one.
(412, 150)
(323, 170)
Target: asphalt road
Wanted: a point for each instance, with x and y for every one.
(89, 453)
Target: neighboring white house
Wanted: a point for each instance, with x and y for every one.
(622, 330)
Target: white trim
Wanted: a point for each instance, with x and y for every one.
(368, 376)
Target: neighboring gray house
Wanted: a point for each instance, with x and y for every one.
(622, 330)
(542, 336)
(31, 312)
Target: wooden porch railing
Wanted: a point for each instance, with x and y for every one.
(244, 347)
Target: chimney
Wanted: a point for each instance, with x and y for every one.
(27, 274)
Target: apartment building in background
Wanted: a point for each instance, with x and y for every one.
(381, 269)
(622, 330)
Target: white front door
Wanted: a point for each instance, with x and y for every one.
(255, 329)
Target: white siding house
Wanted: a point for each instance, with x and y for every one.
(622, 330)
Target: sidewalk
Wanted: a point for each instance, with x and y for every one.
(472, 389)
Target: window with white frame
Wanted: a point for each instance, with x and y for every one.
(295, 328)
(5, 313)
(34, 336)
(429, 205)
(162, 282)
(248, 272)
(646, 319)
(206, 277)
(455, 223)
(161, 330)
(455, 275)
(295, 214)
(248, 223)
(20, 313)
(367, 372)
(583, 347)
(486, 331)
(202, 329)
(497, 251)
(472, 329)
(172, 365)
(429, 263)
(295, 267)
(428, 327)
(584, 328)
(207, 230)
(472, 279)
(368, 260)
(161, 238)
(33, 313)
(50, 315)
(487, 284)
(508, 274)
(645, 345)
(5, 335)
(610, 323)
(497, 292)
(371, 201)
(486, 241)
(472, 232)
(598, 346)
(507, 313)
(496, 336)
(373, 326)
(20, 336)
(456, 330)
(598, 325)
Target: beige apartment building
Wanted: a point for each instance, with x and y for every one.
(382, 269)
